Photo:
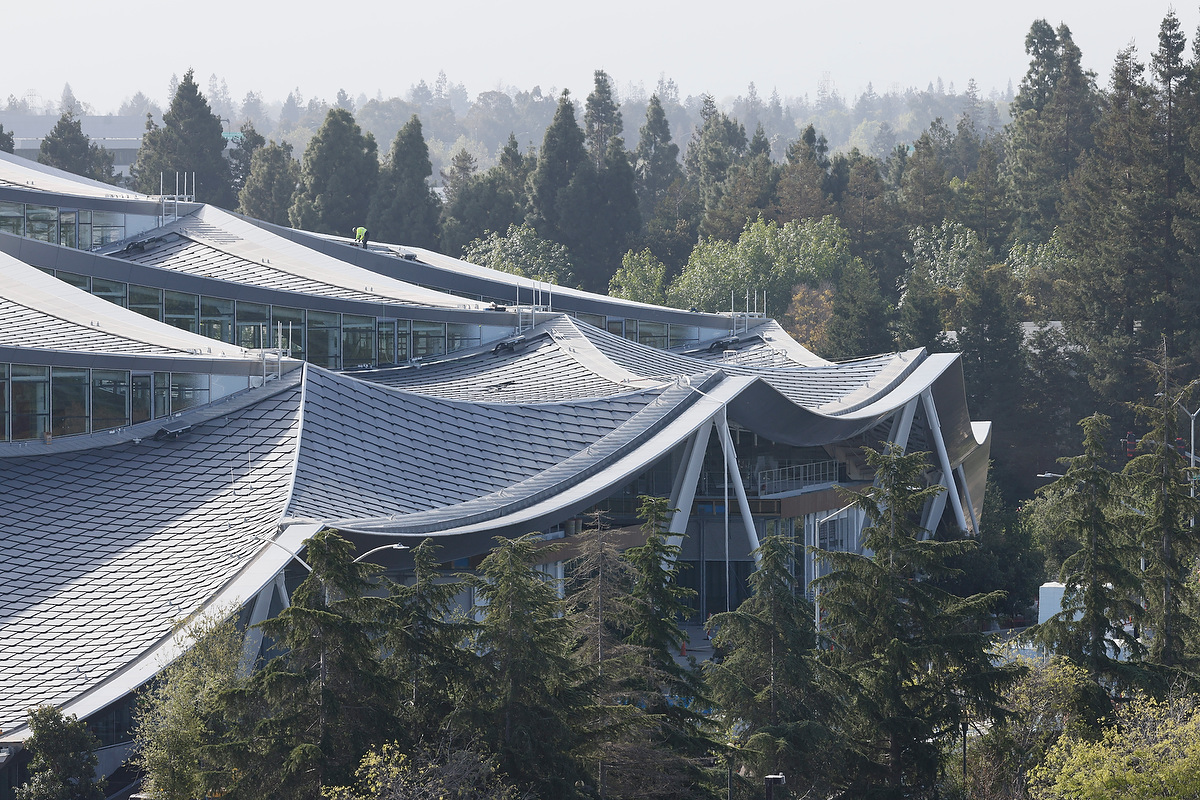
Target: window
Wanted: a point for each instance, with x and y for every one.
(182, 310)
(107, 227)
(30, 401)
(652, 334)
(385, 342)
(3, 402)
(216, 319)
(141, 405)
(12, 218)
(112, 291)
(188, 390)
(110, 399)
(324, 339)
(162, 394)
(78, 281)
(683, 334)
(460, 337)
(68, 229)
(358, 340)
(251, 324)
(146, 301)
(41, 223)
(595, 320)
(287, 329)
(428, 339)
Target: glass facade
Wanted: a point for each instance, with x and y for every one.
(79, 229)
(38, 402)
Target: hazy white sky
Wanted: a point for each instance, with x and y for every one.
(108, 52)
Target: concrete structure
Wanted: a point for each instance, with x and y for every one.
(188, 383)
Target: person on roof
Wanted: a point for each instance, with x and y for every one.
(360, 237)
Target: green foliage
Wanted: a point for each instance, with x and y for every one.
(906, 654)
(656, 160)
(766, 257)
(404, 209)
(859, 317)
(390, 772)
(270, 187)
(766, 682)
(173, 715)
(337, 177)
(521, 251)
(1100, 586)
(64, 758)
(68, 148)
(641, 278)
(529, 702)
(241, 157)
(1050, 702)
(1150, 749)
(6, 141)
(190, 140)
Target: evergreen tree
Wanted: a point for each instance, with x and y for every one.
(241, 157)
(337, 177)
(191, 140)
(1164, 513)
(858, 324)
(562, 155)
(656, 160)
(529, 703)
(404, 208)
(717, 145)
(671, 692)
(7, 145)
(304, 720)
(747, 192)
(925, 190)
(422, 640)
(1042, 45)
(68, 148)
(1099, 585)
(463, 167)
(64, 758)
(601, 119)
(767, 683)
(480, 205)
(919, 316)
(270, 186)
(906, 654)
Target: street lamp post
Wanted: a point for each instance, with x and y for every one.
(770, 782)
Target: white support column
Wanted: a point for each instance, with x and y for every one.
(902, 425)
(962, 477)
(252, 644)
(935, 431)
(736, 477)
(684, 490)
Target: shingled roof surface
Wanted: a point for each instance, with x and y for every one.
(104, 549)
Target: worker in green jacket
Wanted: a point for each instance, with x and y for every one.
(360, 237)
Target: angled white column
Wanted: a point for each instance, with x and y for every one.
(684, 490)
(935, 430)
(736, 477)
(966, 487)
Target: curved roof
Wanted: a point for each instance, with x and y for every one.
(25, 174)
(216, 244)
(43, 313)
(566, 358)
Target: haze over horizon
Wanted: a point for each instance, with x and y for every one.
(379, 48)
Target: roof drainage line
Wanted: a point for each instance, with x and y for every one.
(896, 380)
(600, 454)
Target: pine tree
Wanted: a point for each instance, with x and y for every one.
(925, 191)
(601, 119)
(68, 148)
(766, 680)
(656, 160)
(907, 655)
(337, 177)
(7, 145)
(191, 140)
(305, 719)
(528, 701)
(404, 208)
(1100, 587)
(271, 184)
(671, 691)
(241, 157)
(860, 316)
(562, 156)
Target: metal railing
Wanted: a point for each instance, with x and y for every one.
(797, 476)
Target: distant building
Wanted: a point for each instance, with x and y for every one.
(121, 136)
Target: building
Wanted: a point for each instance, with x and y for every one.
(186, 395)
